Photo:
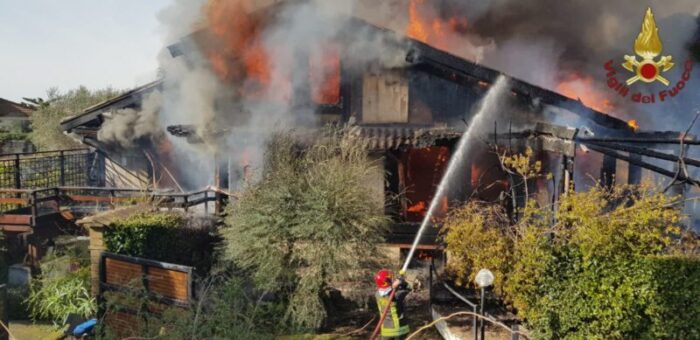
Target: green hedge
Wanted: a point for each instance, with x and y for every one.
(656, 297)
(674, 307)
(166, 237)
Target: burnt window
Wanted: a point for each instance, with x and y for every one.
(325, 75)
(421, 172)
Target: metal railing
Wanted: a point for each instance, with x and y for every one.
(73, 167)
(23, 207)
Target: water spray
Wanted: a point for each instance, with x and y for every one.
(487, 107)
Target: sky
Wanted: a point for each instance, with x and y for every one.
(68, 43)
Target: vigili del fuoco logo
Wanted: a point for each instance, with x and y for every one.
(647, 67)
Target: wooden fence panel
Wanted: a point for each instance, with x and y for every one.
(169, 283)
(123, 274)
(165, 282)
(165, 285)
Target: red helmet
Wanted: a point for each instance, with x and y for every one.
(383, 278)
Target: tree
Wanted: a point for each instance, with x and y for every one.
(310, 221)
(46, 130)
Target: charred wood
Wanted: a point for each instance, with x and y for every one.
(648, 153)
(462, 71)
(642, 164)
(638, 141)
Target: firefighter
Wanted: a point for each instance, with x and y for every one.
(394, 325)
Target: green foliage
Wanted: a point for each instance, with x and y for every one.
(596, 267)
(673, 308)
(311, 220)
(56, 298)
(473, 232)
(167, 237)
(522, 165)
(46, 131)
(226, 309)
(8, 136)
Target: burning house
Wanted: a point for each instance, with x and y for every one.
(249, 70)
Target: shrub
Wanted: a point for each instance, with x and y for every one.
(599, 265)
(473, 232)
(167, 237)
(311, 220)
(9, 136)
(56, 298)
(226, 309)
(673, 308)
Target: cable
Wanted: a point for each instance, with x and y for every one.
(465, 313)
(359, 329)
(7, 329)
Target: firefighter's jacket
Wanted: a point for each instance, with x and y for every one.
(394, 324)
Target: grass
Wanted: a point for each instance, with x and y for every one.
(26, 330)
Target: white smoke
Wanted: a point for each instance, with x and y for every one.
(237, 128)
(126, 126)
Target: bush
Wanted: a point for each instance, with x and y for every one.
(167, 237)
(674, 307)
(56, 298)
(226, 309)
(9, 136)
(473, 232)
(311, 220)
(604, 263)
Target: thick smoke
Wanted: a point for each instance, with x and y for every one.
(125, 127)
(237, 104)
(563, 45)
(237, 99)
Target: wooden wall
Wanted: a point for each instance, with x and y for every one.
(385, 98)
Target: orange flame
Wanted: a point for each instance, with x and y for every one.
(324, 76)
(426, 26)
(419, 207)
(633, 124)
(238, 54)
(581, 87)
(416, 26)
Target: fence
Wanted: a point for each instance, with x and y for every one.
(78, 167)
(162, 283)
(167, 283)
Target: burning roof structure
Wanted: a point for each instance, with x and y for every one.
(251, 69)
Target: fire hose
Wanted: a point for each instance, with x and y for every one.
(402, 272)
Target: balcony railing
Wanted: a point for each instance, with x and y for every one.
(22, 208)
